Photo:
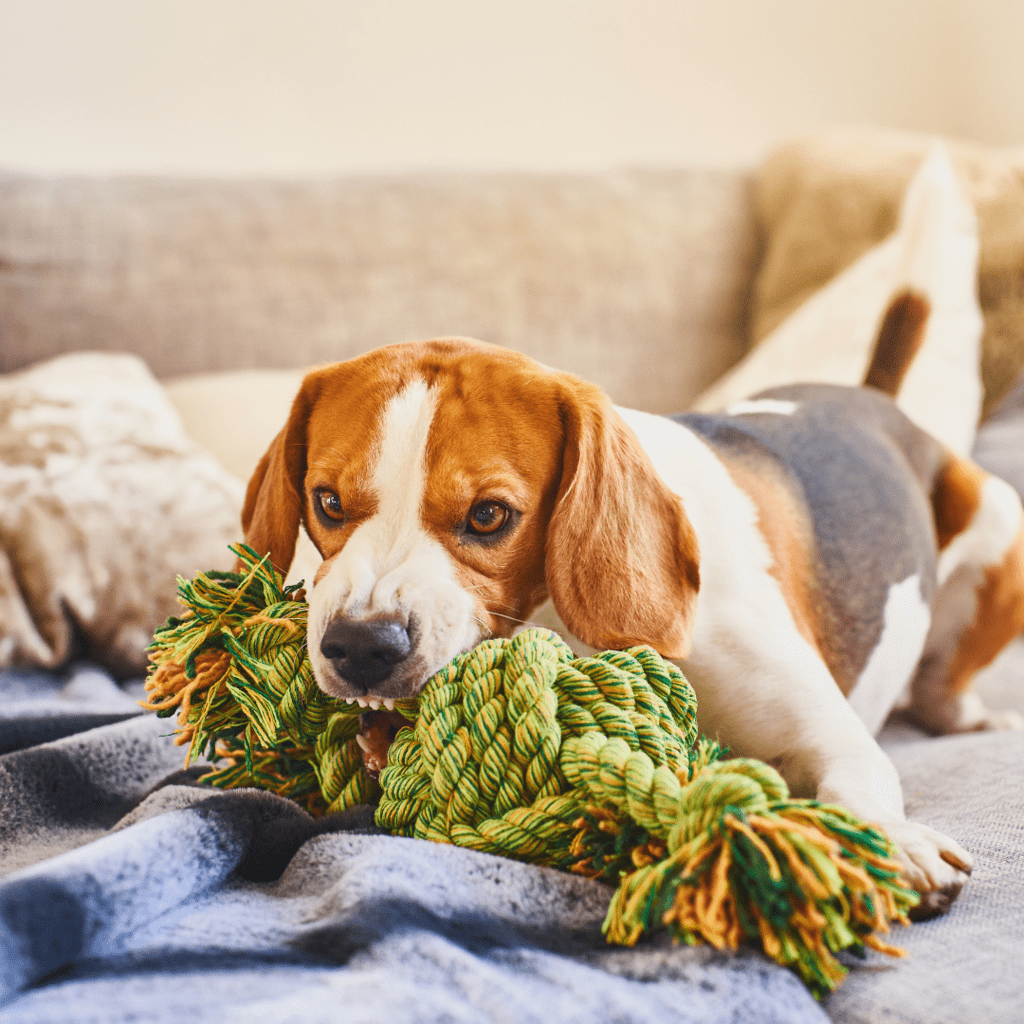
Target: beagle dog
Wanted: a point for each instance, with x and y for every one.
(808, 557)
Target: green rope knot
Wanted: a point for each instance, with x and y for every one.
(485, 765)
(727, 855)
(520, 749)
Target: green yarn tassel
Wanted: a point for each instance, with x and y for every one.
(235, 669)
(518, 748)
(727, 856)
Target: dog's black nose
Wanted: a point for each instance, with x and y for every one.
(364, 653)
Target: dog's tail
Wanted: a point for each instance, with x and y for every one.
(898, 340)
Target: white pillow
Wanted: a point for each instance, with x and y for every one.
(104, 500)
(235, 414)
(829, 339)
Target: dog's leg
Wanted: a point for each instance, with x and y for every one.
(935, 865)
(767, 694)
(980, 604)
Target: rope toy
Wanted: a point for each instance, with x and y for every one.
(518, 748)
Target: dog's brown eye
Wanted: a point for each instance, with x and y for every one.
(487, 517)
(331, 504)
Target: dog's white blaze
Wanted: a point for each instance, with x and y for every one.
(992, 530)
(399, 475)
(891, 666)
(393, 536)
(391, 565)
(752, 406)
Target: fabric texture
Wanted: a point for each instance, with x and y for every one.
(104, 501)
(128, 893)
(831, 336)
(999, 446)
(37, 706)
(960, 967)
(160, 918)
(606, 276)
(825, 200)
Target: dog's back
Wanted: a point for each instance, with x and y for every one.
(899, 534)
(858, 474)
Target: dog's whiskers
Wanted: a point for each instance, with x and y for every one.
(483, 625)
(511, 618)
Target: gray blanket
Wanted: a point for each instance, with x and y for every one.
(131, 894)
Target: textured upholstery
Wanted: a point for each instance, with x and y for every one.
(638, 281)
(825, 200)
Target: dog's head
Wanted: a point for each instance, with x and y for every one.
(450, 487)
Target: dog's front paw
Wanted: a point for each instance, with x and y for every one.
(935, 866)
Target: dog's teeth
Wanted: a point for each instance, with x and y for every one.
(375, 704)
(389, 704)
(350, 700)
(363, 745)
(361, 701)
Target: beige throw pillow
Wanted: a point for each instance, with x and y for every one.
(829, 338)
(104, 500)
(824, 200)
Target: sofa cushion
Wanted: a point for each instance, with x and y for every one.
(825, 200)
(104, 500)
(609, 276)
(830, 337)
(960, 968)
(999, 446)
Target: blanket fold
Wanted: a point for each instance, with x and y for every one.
(175, 901)
(128, 892)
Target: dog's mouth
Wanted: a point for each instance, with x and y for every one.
(373, 703)
(379, 689)
(377, 731)
(379, 722)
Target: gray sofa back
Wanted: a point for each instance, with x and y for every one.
(636, 280)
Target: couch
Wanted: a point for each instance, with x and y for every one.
(152, 333)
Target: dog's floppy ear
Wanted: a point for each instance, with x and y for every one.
(273, 500)
(621, 562)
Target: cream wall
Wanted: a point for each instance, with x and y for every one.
(268, 86)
